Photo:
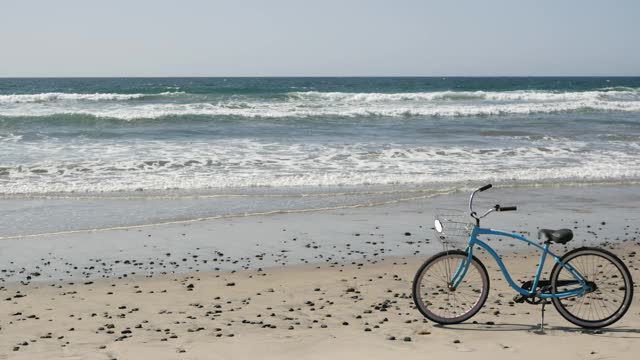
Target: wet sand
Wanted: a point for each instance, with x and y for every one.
(308, 285)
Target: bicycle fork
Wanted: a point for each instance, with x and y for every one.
(460, 272)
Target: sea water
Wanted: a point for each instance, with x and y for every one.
(246, 145)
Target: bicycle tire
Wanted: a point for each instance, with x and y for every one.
(419, 301)
(563, 305)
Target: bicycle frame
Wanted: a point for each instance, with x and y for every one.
(474, 241)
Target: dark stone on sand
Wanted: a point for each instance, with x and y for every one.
(456, 341)
(407, 339)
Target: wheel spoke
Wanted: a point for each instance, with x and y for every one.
(597, 307)
(447, 305)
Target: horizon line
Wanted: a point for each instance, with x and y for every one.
(314, 76)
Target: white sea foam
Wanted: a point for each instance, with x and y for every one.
(10, 138)
(330, 104)
(59, 96)
(85, 166)
(518, 95)
(286, 110)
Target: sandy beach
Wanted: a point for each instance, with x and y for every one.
(303, 312)
(293, 180)
(333, 283)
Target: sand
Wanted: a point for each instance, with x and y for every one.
(309, 312)
(348, 297)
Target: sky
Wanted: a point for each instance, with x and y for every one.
(319, 38)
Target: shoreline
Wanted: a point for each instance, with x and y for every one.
(399, 228)
(368, 196)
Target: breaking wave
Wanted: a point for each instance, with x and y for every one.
(60, 96)
(319, 104)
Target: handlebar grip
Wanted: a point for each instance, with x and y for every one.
(508, 208)
(486, 187)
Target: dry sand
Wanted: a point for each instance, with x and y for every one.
(309, 312)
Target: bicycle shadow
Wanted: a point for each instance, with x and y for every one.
(617, 332)
(610, 332)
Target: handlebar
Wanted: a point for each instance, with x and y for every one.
(486, 187)
(495, 208)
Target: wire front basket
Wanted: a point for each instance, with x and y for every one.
(455, 228)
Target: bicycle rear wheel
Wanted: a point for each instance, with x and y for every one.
(613, 288)
(437, 300)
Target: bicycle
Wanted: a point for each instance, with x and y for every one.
(590, 287)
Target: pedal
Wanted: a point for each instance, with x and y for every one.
(519, 299)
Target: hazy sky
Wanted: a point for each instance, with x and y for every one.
(318, 38)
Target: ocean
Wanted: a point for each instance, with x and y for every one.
(99, 135)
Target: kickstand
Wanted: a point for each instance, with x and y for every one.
(541, 331)
(542, 320)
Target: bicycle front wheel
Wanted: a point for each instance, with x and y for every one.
(437, 300)
(612, 291)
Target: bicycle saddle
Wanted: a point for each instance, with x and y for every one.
(561, 236)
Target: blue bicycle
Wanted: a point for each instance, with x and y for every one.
(589, 287)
